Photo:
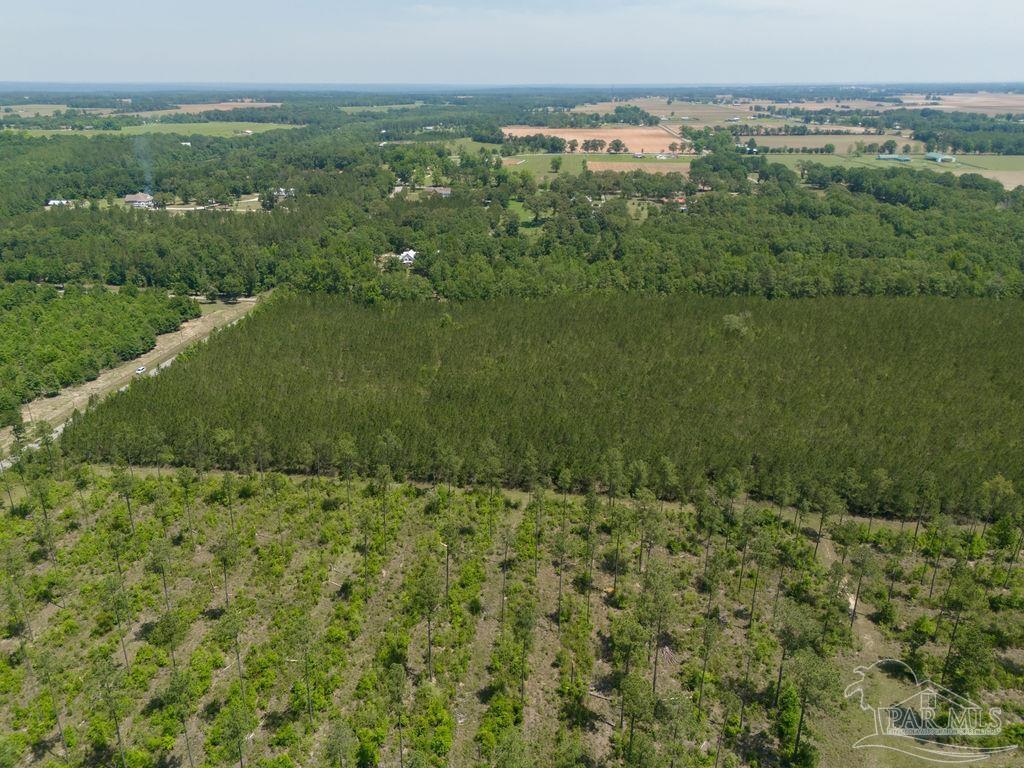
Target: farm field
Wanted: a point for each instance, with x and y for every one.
(984, 102)
(44, 110)
(704, 113)
(697, 113)
(813, 106)
(213, 128)
(636, 138)
(217, 106)
(654, 166)
(1006, 169)
(540, 164)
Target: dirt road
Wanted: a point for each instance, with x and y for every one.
(57, 410)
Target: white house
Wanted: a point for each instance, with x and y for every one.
(57, 202)
(407, 257)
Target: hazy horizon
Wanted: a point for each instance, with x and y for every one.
(213, 85)
(465, 44)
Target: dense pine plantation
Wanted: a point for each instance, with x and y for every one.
(50, 339)
(903, 408)
(255, 619)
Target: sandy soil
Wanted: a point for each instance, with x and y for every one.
(986, 102)
(598, 165)
(57, 410)
(636, 138)
(1009, 179)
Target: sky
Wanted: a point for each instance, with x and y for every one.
(511, 41)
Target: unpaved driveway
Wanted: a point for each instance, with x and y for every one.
(57, 410)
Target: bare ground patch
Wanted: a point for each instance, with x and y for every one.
(599, 165)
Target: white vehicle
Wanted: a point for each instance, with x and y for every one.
(140, 370)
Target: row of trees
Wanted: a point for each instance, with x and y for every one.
(941, 130)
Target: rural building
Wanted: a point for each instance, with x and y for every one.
(139, 200)
(406, 258)
(894, 158)
(58, 202)
(939, 157)
(441, 191)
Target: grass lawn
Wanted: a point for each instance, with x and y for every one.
(471, 146)
(540, 165)
(528, 227)
(217, 129)
(516, 207)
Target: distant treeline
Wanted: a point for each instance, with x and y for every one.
(896, 405)
(939, 129)
(758, 231)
